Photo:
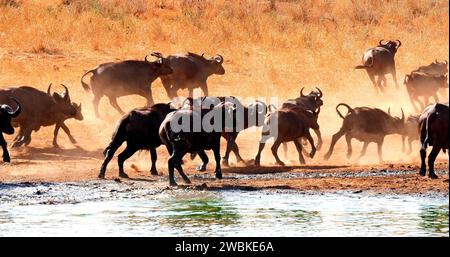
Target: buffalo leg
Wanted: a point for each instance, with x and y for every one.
(24, 139)
(285, 150)
(431, 158)
(205, 160)
(191, 92)
(334, 140)
(154, 157)
(274, 150)
(423, 167)
(123, 156)
(235, 150)
(147, 94)
(372, 78)
(403, 143)
(229, 137)
(410, 139)
(174, 162)
(298, 145)
(55, 134)
(6, 157)
(67, 131)
(113, 102)
(109, 154)
(380, 151)
(96, 102)
(204, 88)
(363, 150)
(167, 84)
(348, 139)
(218, 170)
(258, 155)
(311, 142)
(319, 139)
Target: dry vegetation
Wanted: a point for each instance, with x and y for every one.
(271, 48)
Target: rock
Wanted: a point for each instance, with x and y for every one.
(117, 180)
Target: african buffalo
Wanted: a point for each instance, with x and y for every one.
(115, 79)
(310, 102)
(410, 132)
(366, 125)
(379, 61)
(420, 84)
(433, 127)
(190, 71)
(6, 114)
(290, 124)
(194, 131)
(436, 68)
(40, 109)
(140, 129)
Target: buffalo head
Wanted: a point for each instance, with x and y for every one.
(63, 103)
(6, 114)
(215, 64)
(392, 46)
(397, 124)
(314, 97)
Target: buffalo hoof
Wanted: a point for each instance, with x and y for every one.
(101, 176)
(327, 156)
(154, 173)
(311, 155)
(225, 163)
(123, 175)
(422, 172)
(6, 159)
(282, 163)
(173, 184)
(219, 175)
(201, 168)
(187, 181)
(433, 176)
(73, 141)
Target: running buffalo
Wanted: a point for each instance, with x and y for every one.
(115, 79)
(190, 71)
(366, 125)
(41, 109)
(379, 61)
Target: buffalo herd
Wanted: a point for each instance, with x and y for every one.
(198, 124)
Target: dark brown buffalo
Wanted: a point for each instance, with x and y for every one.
(194, 140)
(190, 71)
(379, 61)
(6, 115)
(41, 109)
(433, 127)
(140, 130)
(115, 79)
(410, 132)
(290, 124)
(366, 125)
(423, 85)
(310, 102)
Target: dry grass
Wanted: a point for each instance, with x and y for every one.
(271, 48)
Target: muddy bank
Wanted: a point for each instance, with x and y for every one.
(386, 179)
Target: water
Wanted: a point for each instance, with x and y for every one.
(230, 213)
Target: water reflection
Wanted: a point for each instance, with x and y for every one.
(435, 218)
(206, 212)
